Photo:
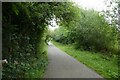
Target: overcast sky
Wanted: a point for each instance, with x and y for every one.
(98, 5)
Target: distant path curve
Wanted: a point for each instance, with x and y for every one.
(61, 65)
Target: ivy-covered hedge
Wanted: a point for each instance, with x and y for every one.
(25, 34)
(23, 41)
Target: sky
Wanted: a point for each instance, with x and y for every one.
(97, 5)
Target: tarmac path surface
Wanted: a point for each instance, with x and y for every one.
(62, 65)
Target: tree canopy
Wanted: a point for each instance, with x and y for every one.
(90, 32)
(25, 26)
(25, 33)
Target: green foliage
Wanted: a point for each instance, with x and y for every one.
(60, 35)
(111, 12)
(25, 32)
(95, 33)
(90, 32)
(104, 65)
(38, 67)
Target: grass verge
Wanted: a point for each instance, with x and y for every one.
(103, 65)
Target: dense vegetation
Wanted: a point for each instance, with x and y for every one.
(25, 34)
(94, 32)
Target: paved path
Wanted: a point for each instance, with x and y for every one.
(61, 65)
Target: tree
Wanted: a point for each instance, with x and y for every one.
(111, 13)
(25, 28)
(90, 32)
